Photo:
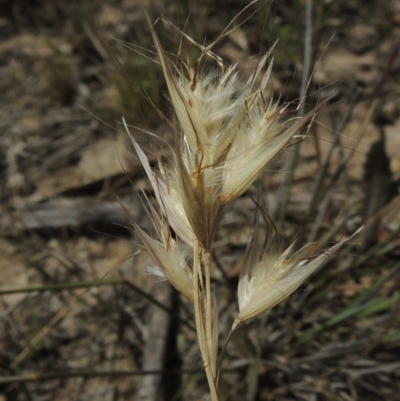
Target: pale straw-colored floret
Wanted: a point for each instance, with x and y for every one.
(168, 194)
(270, 275)
(168, 256)
(227, 135)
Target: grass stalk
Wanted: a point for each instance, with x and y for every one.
(203, 314)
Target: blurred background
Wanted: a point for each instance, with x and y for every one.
(80, 319)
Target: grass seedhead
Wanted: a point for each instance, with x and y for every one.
(227, 135)
(264, 284)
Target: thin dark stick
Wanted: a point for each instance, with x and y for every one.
(284, 190)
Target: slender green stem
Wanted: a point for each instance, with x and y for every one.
(88, 284)
(66, 374)
(60, 286)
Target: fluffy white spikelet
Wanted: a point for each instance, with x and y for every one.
(168, 193)
(268, 277)
(227, 136)
(170, 259)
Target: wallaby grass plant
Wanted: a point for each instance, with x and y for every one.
(226, 134)
(336, 338)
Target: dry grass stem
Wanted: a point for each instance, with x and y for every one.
(227, 135)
